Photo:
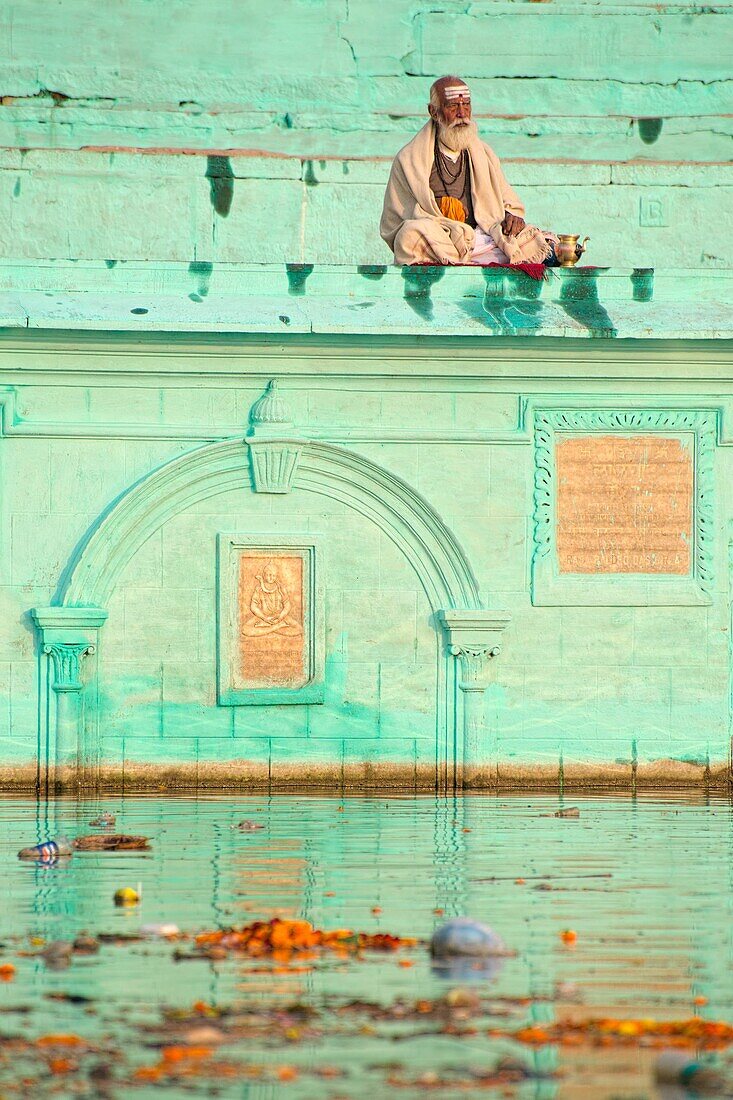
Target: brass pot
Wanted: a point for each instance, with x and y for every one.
(568, 251)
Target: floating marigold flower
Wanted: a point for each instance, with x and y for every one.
(282, 937)
(7, 972)
(61, 1065)
(287, 1073)
(692, 1033)
(174, 1054)
(59, 1041)
(532, 1035)
(149, 1073)
(569, 936)
(630, 1027)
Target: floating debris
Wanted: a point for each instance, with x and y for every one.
(113, 842)
(126, 896)
(464, 936)
(286, 936)
(165, 931)
(692, 1033)
(104, 821)
(85, 945)
(57, 954)
(48, 851)
(248, 826)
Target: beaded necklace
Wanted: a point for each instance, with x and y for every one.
(446, 174)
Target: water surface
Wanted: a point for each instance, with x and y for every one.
(646, 885)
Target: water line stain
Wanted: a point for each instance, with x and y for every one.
(297, 275)
(649, 129)
(579, 300)
(419, 281)
(202, 270)
(221, 184)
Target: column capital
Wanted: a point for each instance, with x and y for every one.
(474, 636)
(66, 657)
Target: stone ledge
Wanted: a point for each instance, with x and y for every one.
(299, 299)
(242, 776)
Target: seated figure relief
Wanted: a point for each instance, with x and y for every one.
(270, 607)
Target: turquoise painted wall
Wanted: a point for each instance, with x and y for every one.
(176, 137)
(604, 683)
(249, 132)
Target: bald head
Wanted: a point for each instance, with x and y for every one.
(450, 110)
(448, 89)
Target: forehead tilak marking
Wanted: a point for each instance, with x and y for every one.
(453, 91)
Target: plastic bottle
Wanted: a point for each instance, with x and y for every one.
(49, 851)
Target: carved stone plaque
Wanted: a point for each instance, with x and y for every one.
(624, 504)
(270, 641)
(271, 628)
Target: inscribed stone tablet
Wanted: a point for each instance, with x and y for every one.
(624, 504)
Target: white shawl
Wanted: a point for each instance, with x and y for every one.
(409, 199)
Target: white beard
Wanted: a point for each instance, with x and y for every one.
(458, 136)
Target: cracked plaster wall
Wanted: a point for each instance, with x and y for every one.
(180, 130)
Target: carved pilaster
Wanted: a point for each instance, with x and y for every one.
(475, 639)
(68, 638)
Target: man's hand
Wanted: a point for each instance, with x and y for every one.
(512, 225)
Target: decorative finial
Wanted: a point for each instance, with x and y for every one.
(269, 410)
(274, 446)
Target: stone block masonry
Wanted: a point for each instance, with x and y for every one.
(238, 133)
(487, 524)
(483, 522)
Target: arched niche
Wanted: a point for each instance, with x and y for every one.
(402, 514)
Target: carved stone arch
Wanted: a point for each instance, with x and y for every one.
(398, 510)
(401, 513)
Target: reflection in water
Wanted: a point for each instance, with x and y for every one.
(645, 884)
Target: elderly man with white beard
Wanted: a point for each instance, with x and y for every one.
(447, 199)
